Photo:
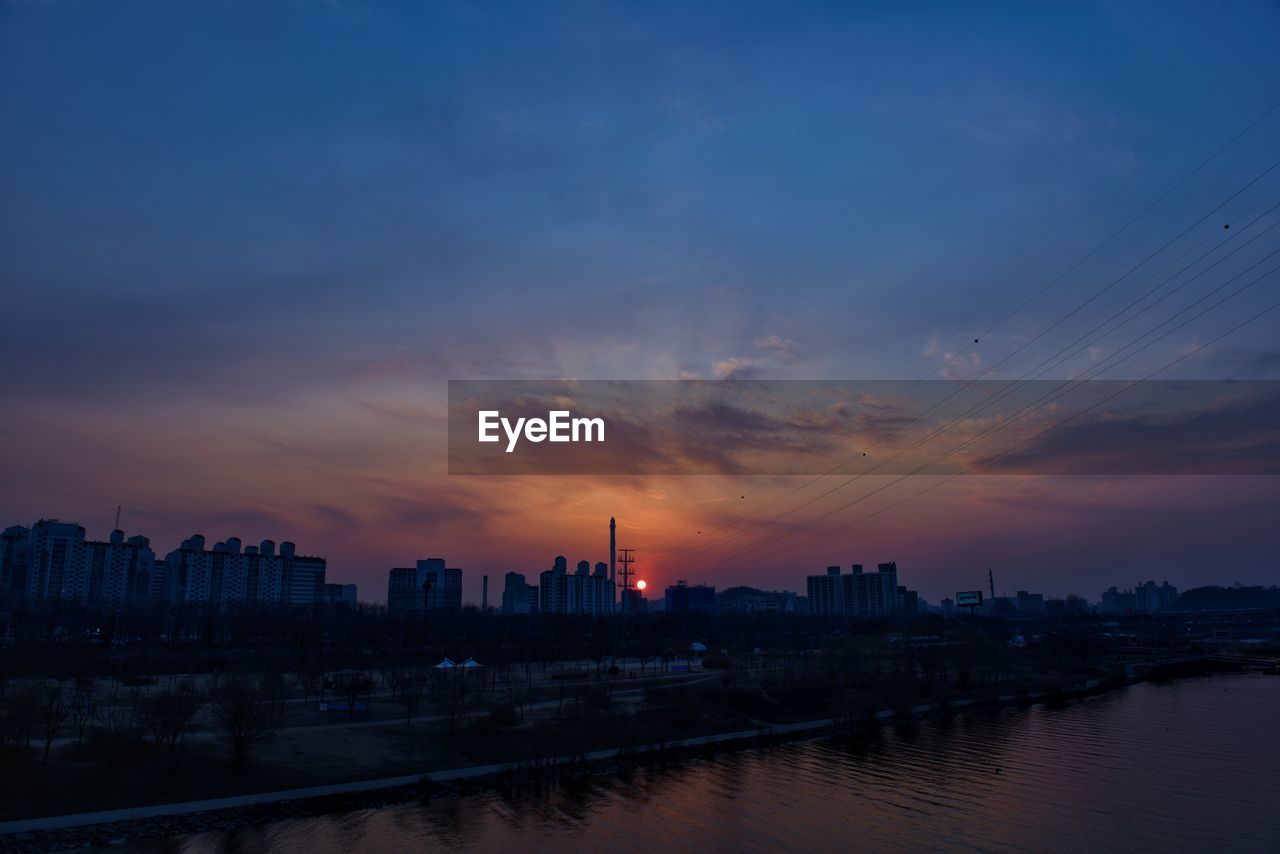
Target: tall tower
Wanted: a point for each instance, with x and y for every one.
(626, 561)
(613, 547)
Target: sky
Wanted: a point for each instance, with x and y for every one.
(245, 245)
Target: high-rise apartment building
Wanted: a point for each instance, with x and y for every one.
(681, 598)
(53, 560)
(580, 592)
(870, 595)
(428, 586)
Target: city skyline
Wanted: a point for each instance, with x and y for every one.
(126, 569)
(238, 287)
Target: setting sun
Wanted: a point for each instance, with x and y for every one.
(641, 584)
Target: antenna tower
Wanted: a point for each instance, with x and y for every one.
(626, 559)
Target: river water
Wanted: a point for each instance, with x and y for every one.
(1189, 765)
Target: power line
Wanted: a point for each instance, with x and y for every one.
(967, 384)
(1018, 413)
(1002, 425)
(1046, 366)
(1052, 283)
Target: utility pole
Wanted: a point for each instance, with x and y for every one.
(626, 560)
(991, 582)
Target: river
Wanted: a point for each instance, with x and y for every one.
(1188, 765)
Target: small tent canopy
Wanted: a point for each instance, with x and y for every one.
(444, 663)
(697, 647)
(471, 662)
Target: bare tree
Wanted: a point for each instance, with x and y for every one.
(392, 679)
(454, 696)
(51, 713)
(413, 686)
(21, 710)
(278, 689)
(169, 715)
(311, 678)
(355, 686)
(82, 707)
(242, 713)
(116, 723)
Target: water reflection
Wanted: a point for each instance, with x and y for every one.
(1187, 765)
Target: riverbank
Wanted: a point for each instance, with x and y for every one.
(110, 827)
(121, 826)
(1121, 769)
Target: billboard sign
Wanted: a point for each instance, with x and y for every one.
(969, 598)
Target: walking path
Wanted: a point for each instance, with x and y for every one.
(62, 822)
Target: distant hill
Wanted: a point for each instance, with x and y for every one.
(1228, 598)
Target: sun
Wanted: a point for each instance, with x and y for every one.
(641, 584)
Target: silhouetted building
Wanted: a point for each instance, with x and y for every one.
(304, 577)
(553, 587)
(1029, 604)
(680, 598)
(597, 593)
(1149, 598)
(1144, 599)
(633, 602)
(264, 573)
(908, 602)
(228, 574)
(582, 592)
(876, 593)
(518, 596)
(13, 560)
(340, 594)
(870, 595)
(119, 570)
(53, 560)
(1117, 602)
(1073, 604)
(749, 600)
(825, 592)
(428, 586)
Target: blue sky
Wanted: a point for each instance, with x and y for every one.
(246, 242)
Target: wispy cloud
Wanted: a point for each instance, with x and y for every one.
(783, 349)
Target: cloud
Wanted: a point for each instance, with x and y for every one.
(736, 369)
(783, 349)
(955, 366)
(1228, 436)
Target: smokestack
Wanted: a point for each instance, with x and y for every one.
(613, 545)
(484, 596)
